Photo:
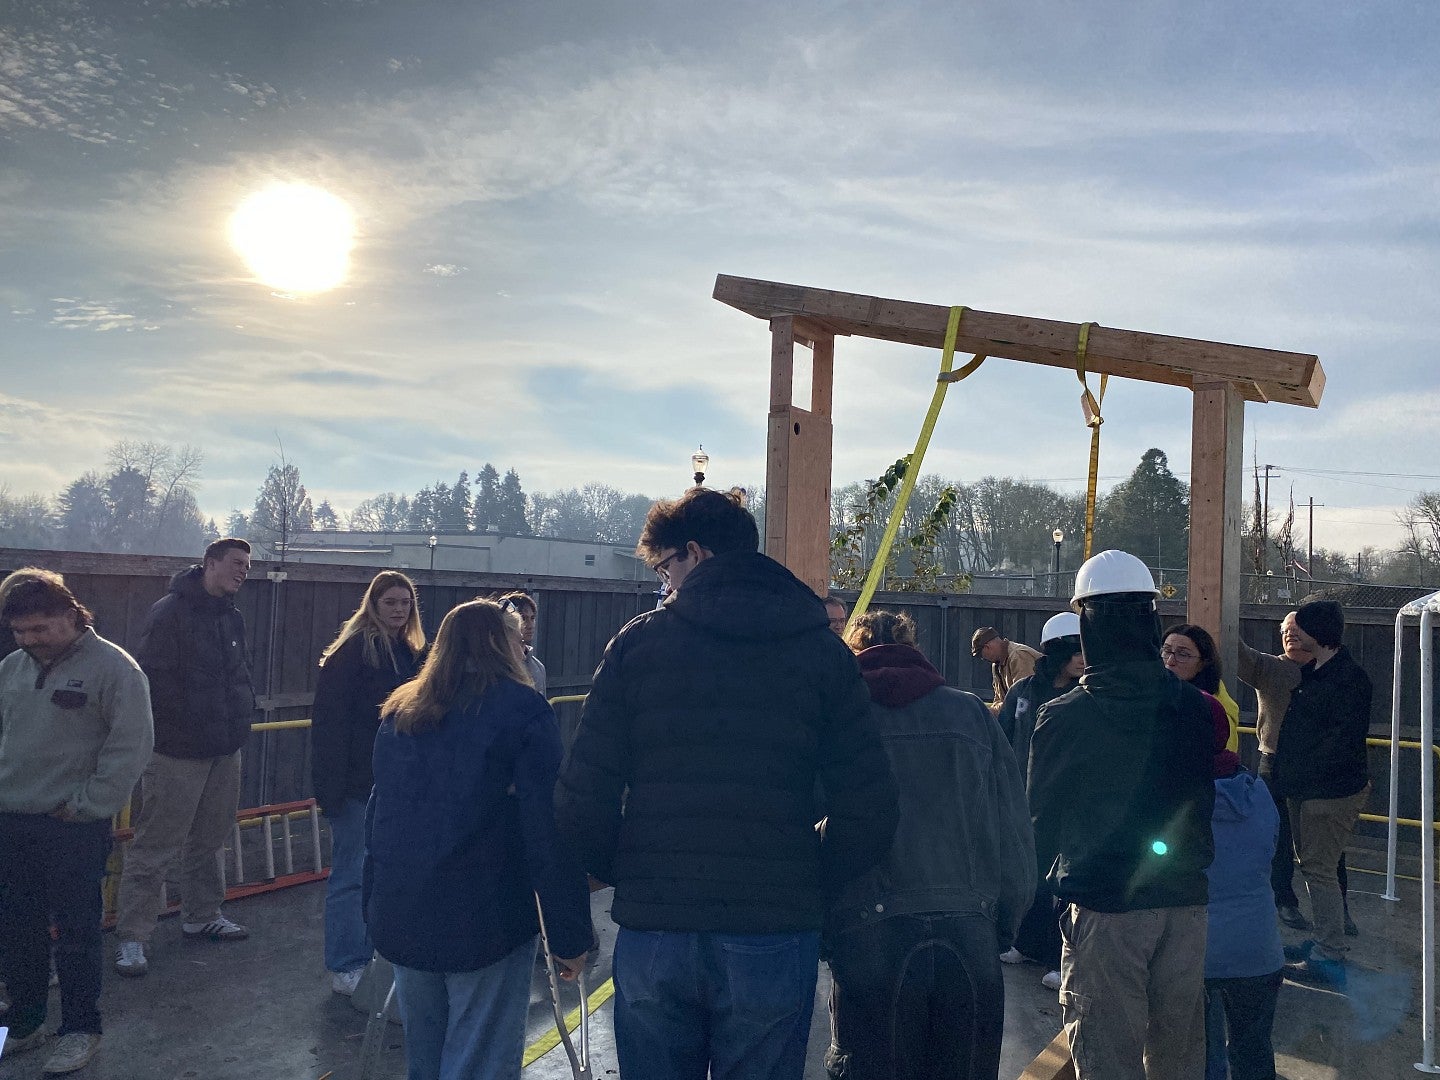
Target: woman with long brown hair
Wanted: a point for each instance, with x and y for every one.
(461, 839)
(376, 650)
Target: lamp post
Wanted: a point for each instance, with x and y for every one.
(433, 541)
(699, 462)
(1059, 537)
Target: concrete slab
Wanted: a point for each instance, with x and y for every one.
(263, 1007)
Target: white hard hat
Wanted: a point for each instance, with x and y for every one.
(1066, 624)
(1112, 572)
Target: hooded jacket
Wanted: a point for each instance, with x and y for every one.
(964, 842)
(1243, 938)
(1021, 707)
(192, 649)
(1120, 774)
(1321, 750)
(691, 784)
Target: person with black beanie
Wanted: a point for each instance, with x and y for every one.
(1321, 771)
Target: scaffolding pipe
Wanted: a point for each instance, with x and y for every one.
(239, 857)
(289, 848)
(1427, 841)
(269, 822)
(1393, 832)
(315, 837)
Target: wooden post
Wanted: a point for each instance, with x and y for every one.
(1216, 478)
(797, 473)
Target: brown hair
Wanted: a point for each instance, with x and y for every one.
(716, 520)
(880, 628)
(218, 549)
(520, 601)
(1207, 675)
(32, 590)
(366, 621)
(477, 645)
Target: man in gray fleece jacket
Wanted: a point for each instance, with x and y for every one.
(75, 733)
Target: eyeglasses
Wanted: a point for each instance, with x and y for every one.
(662, 568)
(1182, 655)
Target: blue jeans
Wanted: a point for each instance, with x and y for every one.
(347, 941)
(737, 1006)
(460, 1025)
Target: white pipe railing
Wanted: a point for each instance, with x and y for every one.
(1392, 838)
(1427, 840)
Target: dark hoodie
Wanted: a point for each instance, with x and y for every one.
(192, 649)
(964, 843)
(1120, 773)
(691, 783)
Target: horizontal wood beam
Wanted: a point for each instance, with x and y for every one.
(1258, 374)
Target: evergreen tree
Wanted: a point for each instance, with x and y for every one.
(486, 508)
(458, 510)
(1147, 514)
(238, 525)
(325, 516)
(511, 510)
(282, 509)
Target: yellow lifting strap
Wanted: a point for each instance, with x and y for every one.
(1090, 405)
(912, 470)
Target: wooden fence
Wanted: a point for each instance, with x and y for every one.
(291, 619)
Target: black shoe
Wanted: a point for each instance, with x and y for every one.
(1297, 953)
(1351, 930)
(1292, 918)
(1329, 974)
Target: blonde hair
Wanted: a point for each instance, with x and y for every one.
(477, 645)
(366, 621)
(880, 628)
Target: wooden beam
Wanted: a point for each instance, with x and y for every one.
(822, 375)
(1052, 1063)
(782, 361)
(1216, 478)
(1258, 374)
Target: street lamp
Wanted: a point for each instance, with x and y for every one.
(699, 462)
(432, 541)
(1059, 537)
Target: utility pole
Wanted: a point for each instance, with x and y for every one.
(1265, 521)
(1310, 540)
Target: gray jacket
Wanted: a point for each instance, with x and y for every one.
(964, 843)
(1273, 678)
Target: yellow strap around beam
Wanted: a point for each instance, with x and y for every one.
(912, 470)
(1090, 405)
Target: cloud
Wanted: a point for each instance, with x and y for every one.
(445, 270)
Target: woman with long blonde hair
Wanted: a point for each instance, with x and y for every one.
(461, 838)
(377, 649)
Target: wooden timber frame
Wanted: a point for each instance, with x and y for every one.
(1221, 377)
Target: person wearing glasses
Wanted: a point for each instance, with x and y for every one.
(719, 729)
(835, 612)
(1190, 654)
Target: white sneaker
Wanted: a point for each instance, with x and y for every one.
(1013, 955)
(345, 982)
(72, 1052)
(130, 959)
(1051, 981)
(217, 929)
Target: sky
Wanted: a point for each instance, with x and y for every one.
(543, 194)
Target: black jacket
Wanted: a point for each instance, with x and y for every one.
(192, 649)
(1321, 753)
(1121, 776)
(346, 714)
(964, 843)
(691, 785)
(1021, 710)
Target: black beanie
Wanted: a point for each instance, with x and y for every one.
(1324, 620)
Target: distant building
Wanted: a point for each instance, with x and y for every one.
(485, 552)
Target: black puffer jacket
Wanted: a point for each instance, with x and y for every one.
(346, 716)
(710, 722)
(1121, 788)
(192, 649)
(1321, 753)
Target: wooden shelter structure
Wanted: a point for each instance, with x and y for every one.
(1221, 377)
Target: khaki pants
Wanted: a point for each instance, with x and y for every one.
(1321, 828)
(1132, 993)
(188, 806)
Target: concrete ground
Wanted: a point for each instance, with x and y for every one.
(263, 1007)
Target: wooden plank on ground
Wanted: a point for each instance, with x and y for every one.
(1052, 1063)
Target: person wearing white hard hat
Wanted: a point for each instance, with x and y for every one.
(1057, 672)
(1121, 790)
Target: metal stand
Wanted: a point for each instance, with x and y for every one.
(579, 1060)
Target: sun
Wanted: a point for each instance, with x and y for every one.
(294, 237)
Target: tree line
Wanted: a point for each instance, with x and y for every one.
(144, 500)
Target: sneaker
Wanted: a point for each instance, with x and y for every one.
(1351, 930)
(1329, 974)
(1013, 955)
(217, 929)
(1296, 953)
(345, 982)
(17, 1045)
(72, 1052)
(1051, 981)
(130, 959)
(1292, 918)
